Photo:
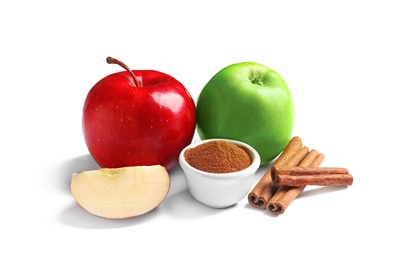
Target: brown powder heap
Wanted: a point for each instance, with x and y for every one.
(218, 157)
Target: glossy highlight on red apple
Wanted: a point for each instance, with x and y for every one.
(139, 117)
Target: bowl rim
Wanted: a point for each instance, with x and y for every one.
(228, 175)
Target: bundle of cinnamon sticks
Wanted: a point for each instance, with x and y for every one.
(294, 169)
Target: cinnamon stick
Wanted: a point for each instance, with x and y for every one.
(285, 194)
(307, 160)
(264, 189)
(321, 176)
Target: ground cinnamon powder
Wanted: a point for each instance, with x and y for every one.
(218, 156)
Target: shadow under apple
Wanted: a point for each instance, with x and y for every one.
(76, 216)
(178, 203)
(74, 165)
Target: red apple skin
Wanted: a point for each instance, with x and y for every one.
(128, 125)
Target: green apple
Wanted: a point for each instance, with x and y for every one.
(248, 102)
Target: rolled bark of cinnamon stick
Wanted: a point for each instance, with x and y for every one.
(286, 194)
(264, 189)
(301, 176)
(307, 160)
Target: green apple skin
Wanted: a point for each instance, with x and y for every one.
(248, 102)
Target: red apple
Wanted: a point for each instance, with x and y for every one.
(139, 117)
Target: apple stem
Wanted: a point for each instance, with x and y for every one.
(111, 60)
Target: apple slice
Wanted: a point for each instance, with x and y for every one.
(118, 193)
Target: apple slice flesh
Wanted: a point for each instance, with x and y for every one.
(118, 193)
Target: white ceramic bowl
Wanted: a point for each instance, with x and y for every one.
(224, 189)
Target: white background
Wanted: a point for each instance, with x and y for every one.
(337, 58)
